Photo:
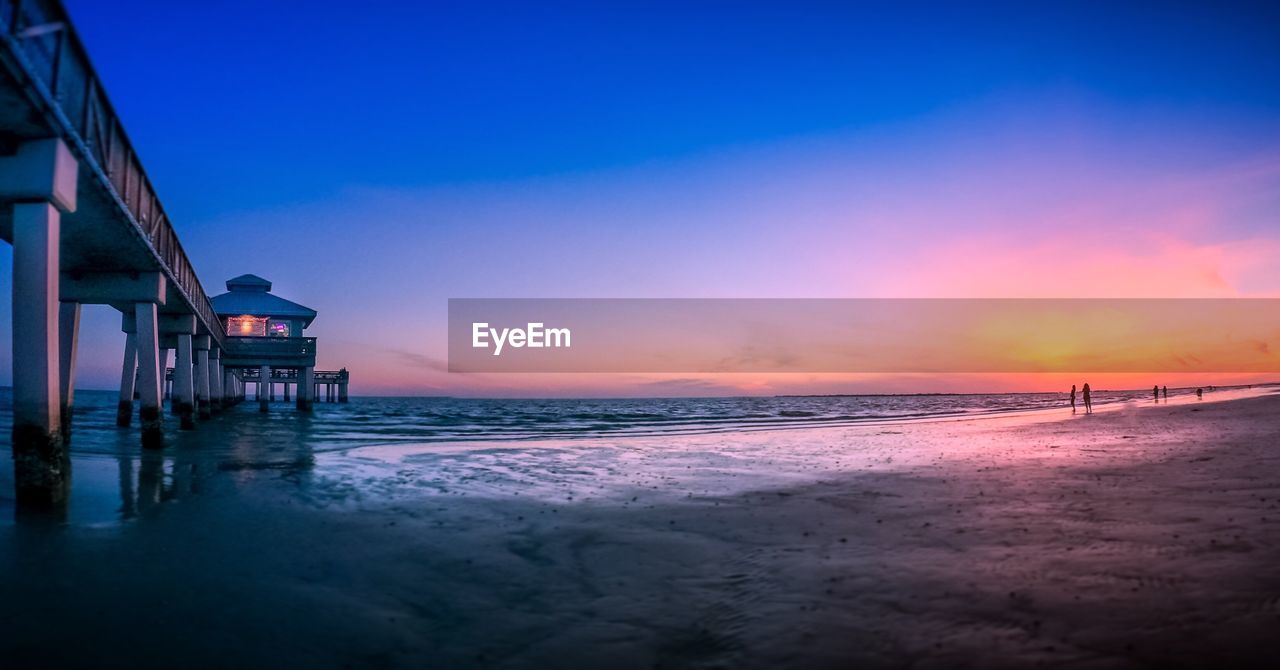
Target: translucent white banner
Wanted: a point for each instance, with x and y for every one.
(864, 335)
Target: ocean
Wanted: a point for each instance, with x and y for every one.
(369, 421)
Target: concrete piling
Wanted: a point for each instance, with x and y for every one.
(216, 389)
(128, 379)
(264, 394)
(150, 374)
(42, 468)
(306, 382)
(68, 337)
(183, 384)
(201, 376)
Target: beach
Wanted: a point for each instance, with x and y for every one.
(1142, 535)
(525, 336)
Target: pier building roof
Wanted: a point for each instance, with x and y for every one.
(251, 294)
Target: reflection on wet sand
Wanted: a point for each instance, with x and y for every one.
(150, 479)
(141, 481)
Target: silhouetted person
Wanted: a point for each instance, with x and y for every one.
(1073, 398)
(1165, 390)
(1088, 399)
(1155, 390)
(1200, 394)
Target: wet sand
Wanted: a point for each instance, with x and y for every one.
(1139, 536)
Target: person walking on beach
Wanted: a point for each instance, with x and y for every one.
(1073, 398)
(1200, 394)
(1156, 391)
(1165, 389)
(1088, 400)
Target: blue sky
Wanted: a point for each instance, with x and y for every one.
(242, 104)
(427, 150)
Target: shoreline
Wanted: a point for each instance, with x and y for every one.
(1009, 417)
(1135, 537)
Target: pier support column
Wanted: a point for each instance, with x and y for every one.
(204, 386)
(264, 394)
(184, 388)
(41, 466)
(128, 376)
(232, 386)
(165, 380)
(68, 338)
(342, 386)
(201, 381)
(217, 393)
(40, 178)
(306, 382)
(107, 288)
(284, 389)
(150, 374)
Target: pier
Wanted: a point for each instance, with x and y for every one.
(327, 386)
(87, 227)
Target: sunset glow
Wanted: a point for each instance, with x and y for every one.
(761, 335)
(1065, 183)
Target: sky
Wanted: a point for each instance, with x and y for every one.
(374, 160)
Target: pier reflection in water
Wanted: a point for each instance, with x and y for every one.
(115, 480)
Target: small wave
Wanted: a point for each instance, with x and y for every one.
(367, 421)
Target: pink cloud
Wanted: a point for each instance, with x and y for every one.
(1077, 266)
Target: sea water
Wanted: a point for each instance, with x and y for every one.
(375, 448)
(367, 421)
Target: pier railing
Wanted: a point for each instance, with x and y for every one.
(270, 348)
(43, 44)
(284, 375)
(290, 375)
